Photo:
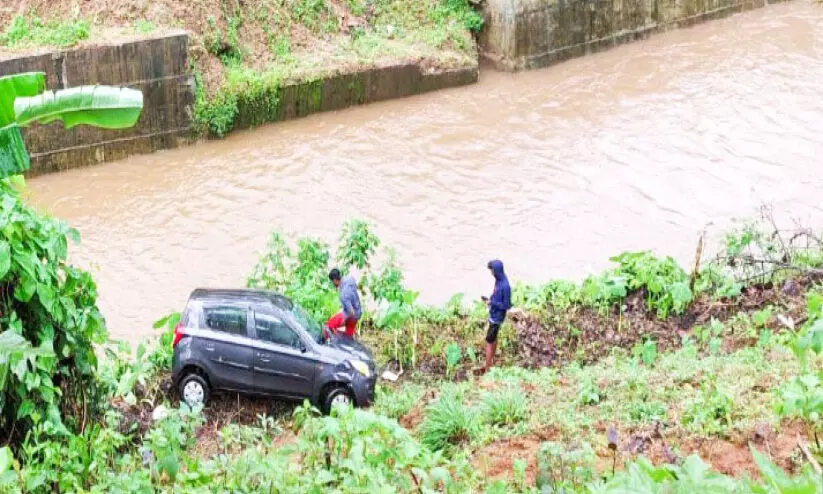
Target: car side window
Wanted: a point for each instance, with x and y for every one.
(272, 329)
(226, 319)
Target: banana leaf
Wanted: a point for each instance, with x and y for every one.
(17, 85)
(14, 159)
(22, 104)
(100, 106)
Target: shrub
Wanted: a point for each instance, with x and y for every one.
(560, 468)
(449, 423)
(49, 311)
(505, 407)
(394, 403)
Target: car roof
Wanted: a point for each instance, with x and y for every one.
(242, 295)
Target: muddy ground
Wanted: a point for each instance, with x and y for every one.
(730, 456)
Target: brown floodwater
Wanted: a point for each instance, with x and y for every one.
(552, 171)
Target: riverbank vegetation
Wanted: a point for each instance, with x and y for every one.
(243, 52)
(647, 377)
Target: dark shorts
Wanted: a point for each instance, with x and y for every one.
(491, 335)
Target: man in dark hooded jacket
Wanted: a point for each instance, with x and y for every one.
(499, 303)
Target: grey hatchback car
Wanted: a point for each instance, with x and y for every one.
(261, 343)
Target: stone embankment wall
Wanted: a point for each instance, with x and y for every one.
(158, 67)
(526, 34)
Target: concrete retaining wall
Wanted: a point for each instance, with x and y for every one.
(158, 67)
(525, 34)
(340, 91)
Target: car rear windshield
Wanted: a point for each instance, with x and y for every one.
(309, 324)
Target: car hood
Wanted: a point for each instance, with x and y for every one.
(347, 347)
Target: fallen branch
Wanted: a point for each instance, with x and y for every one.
(805, 449)
(784, 265)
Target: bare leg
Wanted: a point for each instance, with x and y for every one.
(489, 357)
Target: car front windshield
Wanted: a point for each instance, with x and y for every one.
(309, 324)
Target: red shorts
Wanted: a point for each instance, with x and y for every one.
(338, 320)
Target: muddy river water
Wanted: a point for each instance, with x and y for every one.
(552, 171)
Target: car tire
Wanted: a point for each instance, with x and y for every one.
(194, 390)
(337, 395)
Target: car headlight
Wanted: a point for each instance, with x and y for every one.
(360, 367)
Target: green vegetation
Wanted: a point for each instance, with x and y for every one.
(142, 26)
(449, 424)
(48, 308)
(390, 29)
(630, 414)
(31, 30)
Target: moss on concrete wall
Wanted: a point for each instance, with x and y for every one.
(340, 91)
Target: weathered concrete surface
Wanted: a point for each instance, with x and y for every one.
(340, 91)
(158, 67)
(526, 34)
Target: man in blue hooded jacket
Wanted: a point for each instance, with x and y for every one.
(499, 303)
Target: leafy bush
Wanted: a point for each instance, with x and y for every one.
(459, 10)
(506, 407)
(47, 357)
(303, 274)
(665, 282)
(449, 423)
(453, 356)
(216, 114)
(711, 410)
(560, 468)
(588, 392)
(394, 403)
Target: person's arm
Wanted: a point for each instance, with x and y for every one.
(496, 300)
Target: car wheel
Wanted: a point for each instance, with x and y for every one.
(337, 396)
(194, 390)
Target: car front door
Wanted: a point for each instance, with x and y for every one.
(226, 345)
(282, 365)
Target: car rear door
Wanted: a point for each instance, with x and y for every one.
(282, 365)
(226, 345)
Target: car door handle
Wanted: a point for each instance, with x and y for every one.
(209, 348)
(264, 357)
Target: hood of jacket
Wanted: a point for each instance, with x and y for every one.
(497, 270)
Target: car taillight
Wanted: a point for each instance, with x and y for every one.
(178, 334)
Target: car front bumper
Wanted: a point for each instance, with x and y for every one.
(363, 388)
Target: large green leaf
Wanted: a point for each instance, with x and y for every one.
(5, 258)
(11, 344)
(101, 106)
(14, 159)
(15, 86)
